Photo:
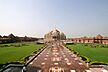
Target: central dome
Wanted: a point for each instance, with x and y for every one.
(55, 33)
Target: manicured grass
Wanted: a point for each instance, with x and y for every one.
(95, 52)
(16, 51)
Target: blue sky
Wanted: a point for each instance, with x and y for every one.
(75, 18)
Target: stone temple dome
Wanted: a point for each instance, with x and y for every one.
(54, 35)
(62, 36)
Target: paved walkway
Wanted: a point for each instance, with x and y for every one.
(57, 58)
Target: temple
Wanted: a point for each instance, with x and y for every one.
(54, 35)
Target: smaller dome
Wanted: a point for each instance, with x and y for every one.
(62, 33)
(55, 32)
(99, 36)
(62, 36)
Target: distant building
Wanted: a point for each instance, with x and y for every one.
(11, 36)
(54, 35)
(97, 39)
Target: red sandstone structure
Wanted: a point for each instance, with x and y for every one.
(98, 39)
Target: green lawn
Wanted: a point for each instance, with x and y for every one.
(16, 51)
(95, 52)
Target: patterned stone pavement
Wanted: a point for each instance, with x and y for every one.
(57, 58)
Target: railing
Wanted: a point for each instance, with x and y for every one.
(99, 66)
(12, 65)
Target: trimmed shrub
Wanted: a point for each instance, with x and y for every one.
(98, 63)
(86, 59)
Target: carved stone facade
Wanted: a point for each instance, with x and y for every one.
(54, 35)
